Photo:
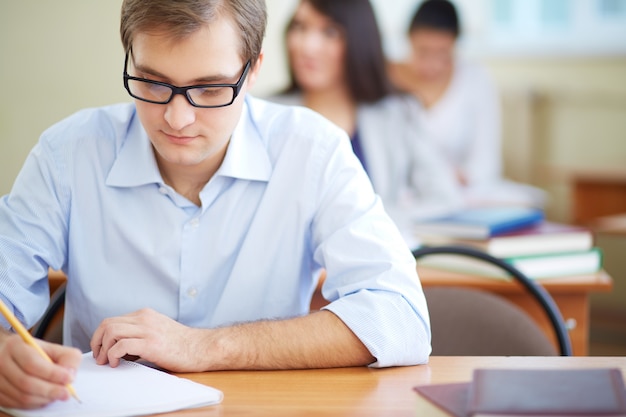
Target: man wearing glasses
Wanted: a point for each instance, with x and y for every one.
(193, 223)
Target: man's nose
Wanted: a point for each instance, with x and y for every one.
(179, 113)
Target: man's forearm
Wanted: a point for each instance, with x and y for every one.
(318, 340)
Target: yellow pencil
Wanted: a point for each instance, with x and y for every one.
(28, 338)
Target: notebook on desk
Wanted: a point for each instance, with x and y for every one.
(131, 389)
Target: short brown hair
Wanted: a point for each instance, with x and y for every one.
(184, 17)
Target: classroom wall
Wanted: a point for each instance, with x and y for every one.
(563, 115)
(55, 58)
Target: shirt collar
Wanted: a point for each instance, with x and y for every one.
(135, 163)
(246, 156)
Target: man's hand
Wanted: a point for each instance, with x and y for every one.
(148, 335)
(29, 381)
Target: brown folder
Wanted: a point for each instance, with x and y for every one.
(533, 392)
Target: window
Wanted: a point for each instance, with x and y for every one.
(521, 27)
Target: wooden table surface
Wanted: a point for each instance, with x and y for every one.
(359, 391)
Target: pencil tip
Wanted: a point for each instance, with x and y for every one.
(76, 397)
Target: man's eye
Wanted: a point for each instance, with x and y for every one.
(210, 92)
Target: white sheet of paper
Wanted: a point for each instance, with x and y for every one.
(131, 389)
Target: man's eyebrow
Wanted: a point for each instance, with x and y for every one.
(209, 79)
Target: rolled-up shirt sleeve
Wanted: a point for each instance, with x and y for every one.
(371, 282)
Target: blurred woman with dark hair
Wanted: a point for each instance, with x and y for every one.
(338, 69)
(460, 109)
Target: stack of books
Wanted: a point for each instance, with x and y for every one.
(518, 235)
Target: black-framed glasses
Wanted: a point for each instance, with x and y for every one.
(202, 95)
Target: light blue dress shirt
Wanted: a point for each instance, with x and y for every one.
(289, 198)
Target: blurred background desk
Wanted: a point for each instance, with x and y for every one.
(55, 280)
(596, 194)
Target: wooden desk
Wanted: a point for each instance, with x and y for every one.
(571, 295)
(359, 392)
(597, 193)
(55, 279)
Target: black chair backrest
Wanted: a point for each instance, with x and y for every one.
(539, 293)
(471, 322)
(50, 327)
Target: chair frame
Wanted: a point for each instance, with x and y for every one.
(57, 300)
(538, 292)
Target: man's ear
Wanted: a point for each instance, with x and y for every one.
(254, 70)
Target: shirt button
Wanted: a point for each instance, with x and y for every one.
(194, 222)
(192, 292)
(163, 190)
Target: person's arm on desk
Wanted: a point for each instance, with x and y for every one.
(318, 340)
(29, 381)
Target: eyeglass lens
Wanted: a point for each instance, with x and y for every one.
(201, 96)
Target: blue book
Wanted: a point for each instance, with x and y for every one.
(480, 222)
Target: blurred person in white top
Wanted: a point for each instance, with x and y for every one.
(460, 109)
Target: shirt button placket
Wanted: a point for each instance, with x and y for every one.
(188, 287)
